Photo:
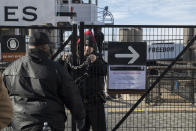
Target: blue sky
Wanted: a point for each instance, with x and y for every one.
(149, 12)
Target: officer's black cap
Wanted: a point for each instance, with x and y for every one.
(39, 38)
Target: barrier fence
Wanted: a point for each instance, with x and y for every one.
(170, 102)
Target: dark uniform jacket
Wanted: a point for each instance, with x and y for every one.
(92, 87)
(39, 88)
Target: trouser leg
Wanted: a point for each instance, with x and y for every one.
(87, 124)
(97, 117)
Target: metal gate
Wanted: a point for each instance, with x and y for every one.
(168, 103)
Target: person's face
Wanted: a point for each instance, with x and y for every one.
(88, 50)
(46, 48)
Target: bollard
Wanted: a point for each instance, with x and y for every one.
(46, 127)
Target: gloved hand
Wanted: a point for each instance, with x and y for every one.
(64, 57)
(92, 58)
(80, 123)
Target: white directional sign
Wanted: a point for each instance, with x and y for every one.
(127, 53)
(133, 55)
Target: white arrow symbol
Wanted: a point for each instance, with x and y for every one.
(134, 55)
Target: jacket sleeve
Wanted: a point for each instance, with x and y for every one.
(70, 95)
(6, 109)
(98, 68)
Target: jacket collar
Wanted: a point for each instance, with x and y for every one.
(37, 54)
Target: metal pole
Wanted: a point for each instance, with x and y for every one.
(81, 42)
(61, 47)
(153, 85)
(73, 44)
(73, 50)
(61, 37)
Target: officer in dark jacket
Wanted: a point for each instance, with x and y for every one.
(40, 88)
(92, 91)
(99, 37)
(92, 87)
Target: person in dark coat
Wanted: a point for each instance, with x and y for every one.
(92, 85)
(99, 37)
(40, 89)
(92, 92)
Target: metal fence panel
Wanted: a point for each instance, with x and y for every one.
(170, 105)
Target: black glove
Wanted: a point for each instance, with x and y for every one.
(80, 123)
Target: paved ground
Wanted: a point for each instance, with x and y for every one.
(152, 118)
(148, 117)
